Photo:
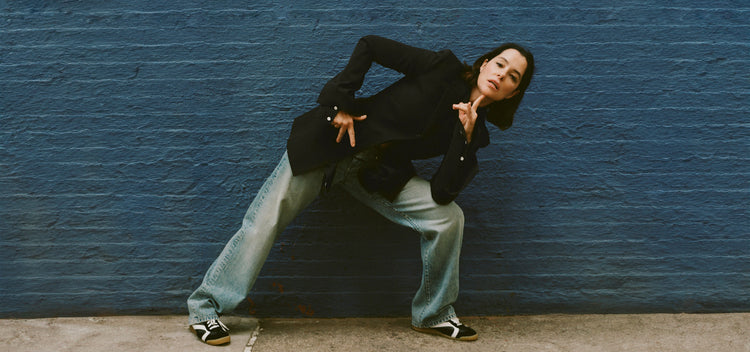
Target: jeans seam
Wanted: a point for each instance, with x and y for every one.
(220, 268)
(426, 263)
(234, 242)
(351, 184)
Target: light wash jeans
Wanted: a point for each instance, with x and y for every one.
(232, 275)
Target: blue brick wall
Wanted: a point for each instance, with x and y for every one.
(134, 134)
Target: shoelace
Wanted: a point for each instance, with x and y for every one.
(215, 323)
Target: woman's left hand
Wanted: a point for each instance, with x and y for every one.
(344, 122)
(467, 113)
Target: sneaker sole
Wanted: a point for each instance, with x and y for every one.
(220, 341)
(438, 333)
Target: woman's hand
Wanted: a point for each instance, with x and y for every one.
(467, 113)
(345, 123)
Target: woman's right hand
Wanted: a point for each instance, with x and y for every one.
(467, 113)
(345, 123)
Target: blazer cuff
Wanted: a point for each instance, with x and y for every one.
(330, 114)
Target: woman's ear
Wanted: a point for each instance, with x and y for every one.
(483, 65)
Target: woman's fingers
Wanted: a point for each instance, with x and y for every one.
(345, 123)
(350, 130)
(476, 103)
(463, 111)
(467, 113)
(461, 107)
(468, 109)
(342, 132)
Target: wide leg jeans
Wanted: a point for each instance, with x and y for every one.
(232, 275)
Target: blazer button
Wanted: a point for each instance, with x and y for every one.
(328, 119)
(335, 108)
(461, 158)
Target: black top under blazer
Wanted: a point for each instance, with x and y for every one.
(411, 119)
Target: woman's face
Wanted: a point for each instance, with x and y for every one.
(498, 78)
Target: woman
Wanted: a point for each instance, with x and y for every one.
(365, 146)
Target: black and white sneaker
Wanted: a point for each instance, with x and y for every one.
(452, 329)
(212, 332)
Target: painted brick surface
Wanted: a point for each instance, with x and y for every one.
(134, 134)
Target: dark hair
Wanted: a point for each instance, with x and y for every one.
(500, 113)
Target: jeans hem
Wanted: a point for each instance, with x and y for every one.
(450, 315)
(197, 320)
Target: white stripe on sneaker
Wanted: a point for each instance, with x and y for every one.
(198, 328)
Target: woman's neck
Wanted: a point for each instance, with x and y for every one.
(475, 94)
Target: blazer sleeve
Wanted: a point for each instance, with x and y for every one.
(409, 60)
(459, 165)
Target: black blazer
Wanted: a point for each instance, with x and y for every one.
(414, 117)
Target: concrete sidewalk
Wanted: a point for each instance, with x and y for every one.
(575, 333)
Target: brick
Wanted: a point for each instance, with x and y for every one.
(134, 135)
